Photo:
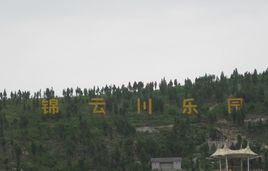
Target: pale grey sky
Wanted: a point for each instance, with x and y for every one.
(64, 43)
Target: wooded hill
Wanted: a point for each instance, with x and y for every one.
(77, 139)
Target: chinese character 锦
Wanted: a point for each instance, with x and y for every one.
(99, 105)
(50, 106)
(189, 107)
(145, 106)
(234, 103)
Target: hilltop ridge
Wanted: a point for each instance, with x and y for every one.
(122, 139)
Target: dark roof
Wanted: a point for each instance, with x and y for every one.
(167, 159)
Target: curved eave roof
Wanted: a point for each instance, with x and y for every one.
(221, 152)
(226, 152)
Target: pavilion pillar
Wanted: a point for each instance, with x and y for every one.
(248, 163)
(220, 164)
(226, 163)
(241, 164)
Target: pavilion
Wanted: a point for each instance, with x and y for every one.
(226, 153)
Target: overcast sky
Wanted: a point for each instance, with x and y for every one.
(64, 43)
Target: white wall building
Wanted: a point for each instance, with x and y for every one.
(166, 164)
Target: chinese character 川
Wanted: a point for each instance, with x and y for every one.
(145, 106)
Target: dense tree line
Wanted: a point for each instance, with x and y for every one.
(75, 139)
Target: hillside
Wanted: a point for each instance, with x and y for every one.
(77, 139)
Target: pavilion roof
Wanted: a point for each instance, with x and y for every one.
(221, 152)
(227, 152)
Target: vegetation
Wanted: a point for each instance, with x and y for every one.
(76, 139)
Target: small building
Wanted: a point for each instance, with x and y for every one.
(166, 164)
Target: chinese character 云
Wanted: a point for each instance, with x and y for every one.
(98, 105)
